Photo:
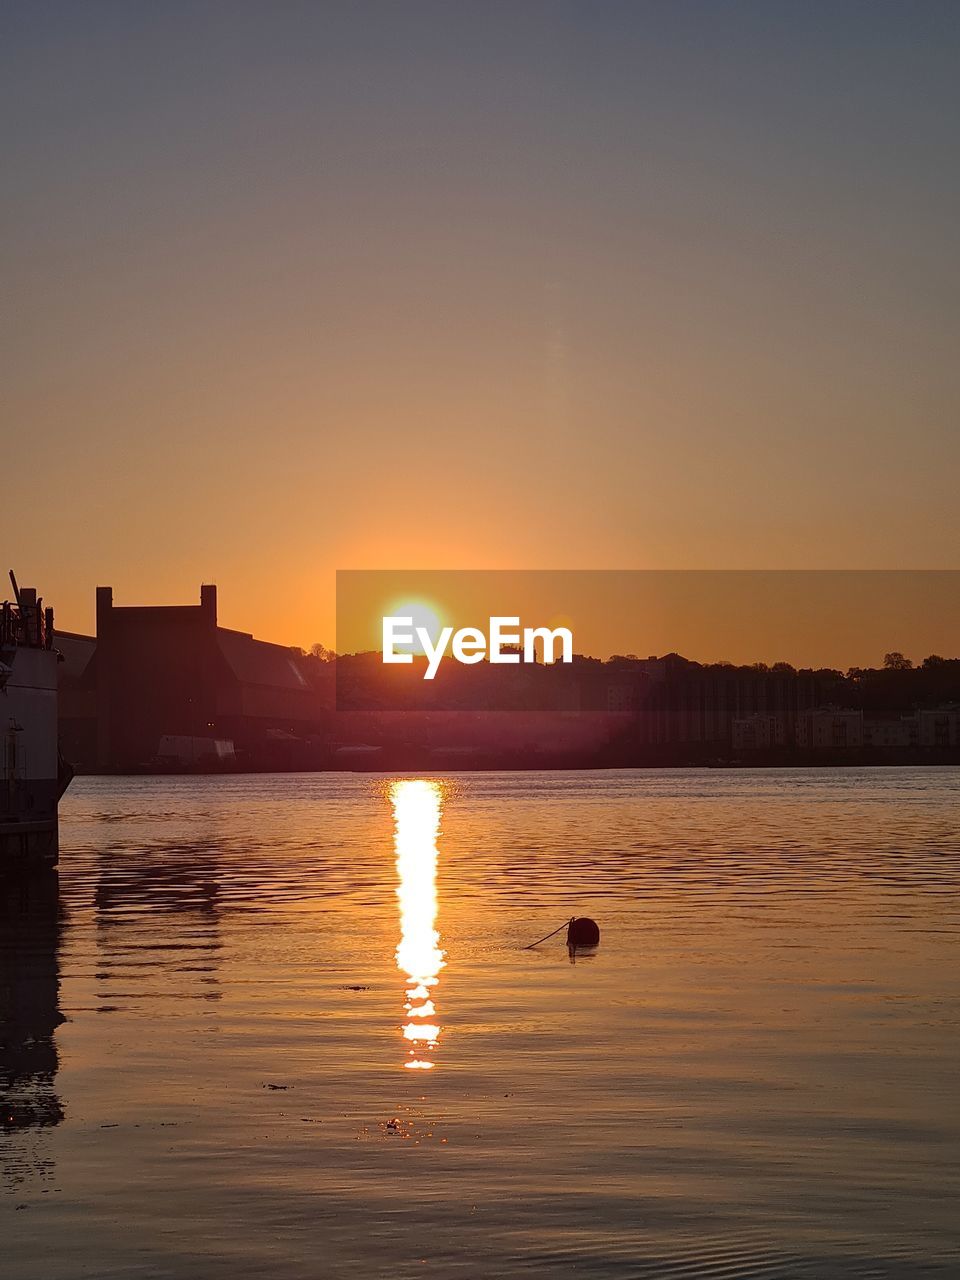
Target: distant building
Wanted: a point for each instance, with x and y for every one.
(891, 733)
(758, 733)
(694, 705)
(829, 729)
(940, 726)
(163, 675)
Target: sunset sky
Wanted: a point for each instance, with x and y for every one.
(298, 287)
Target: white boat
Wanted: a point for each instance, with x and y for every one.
(33, 775)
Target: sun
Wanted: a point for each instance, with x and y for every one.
(424, 615)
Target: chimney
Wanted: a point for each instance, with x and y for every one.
(104, 606)
(208, 601)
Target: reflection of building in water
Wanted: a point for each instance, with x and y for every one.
(416, 812)
(158, 924)
(29, 1016)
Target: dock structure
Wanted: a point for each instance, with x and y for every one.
(32, 775)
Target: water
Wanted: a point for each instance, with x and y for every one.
(217, 1063)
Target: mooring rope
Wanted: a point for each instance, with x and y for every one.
(548, 935)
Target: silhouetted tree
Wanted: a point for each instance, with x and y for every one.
(934, 661)
(895, 661)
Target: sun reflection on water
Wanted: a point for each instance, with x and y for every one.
(416, 813)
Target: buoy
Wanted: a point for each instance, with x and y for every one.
(583, 932)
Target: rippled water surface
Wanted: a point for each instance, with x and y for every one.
(284, 1026)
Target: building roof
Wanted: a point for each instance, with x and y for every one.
(259, 662)
(77, 650)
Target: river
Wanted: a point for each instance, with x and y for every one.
(286, 1026)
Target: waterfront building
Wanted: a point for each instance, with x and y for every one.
(162, 674)
(758, 733)
(891, 733)
(940, 726)
(829, 728)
